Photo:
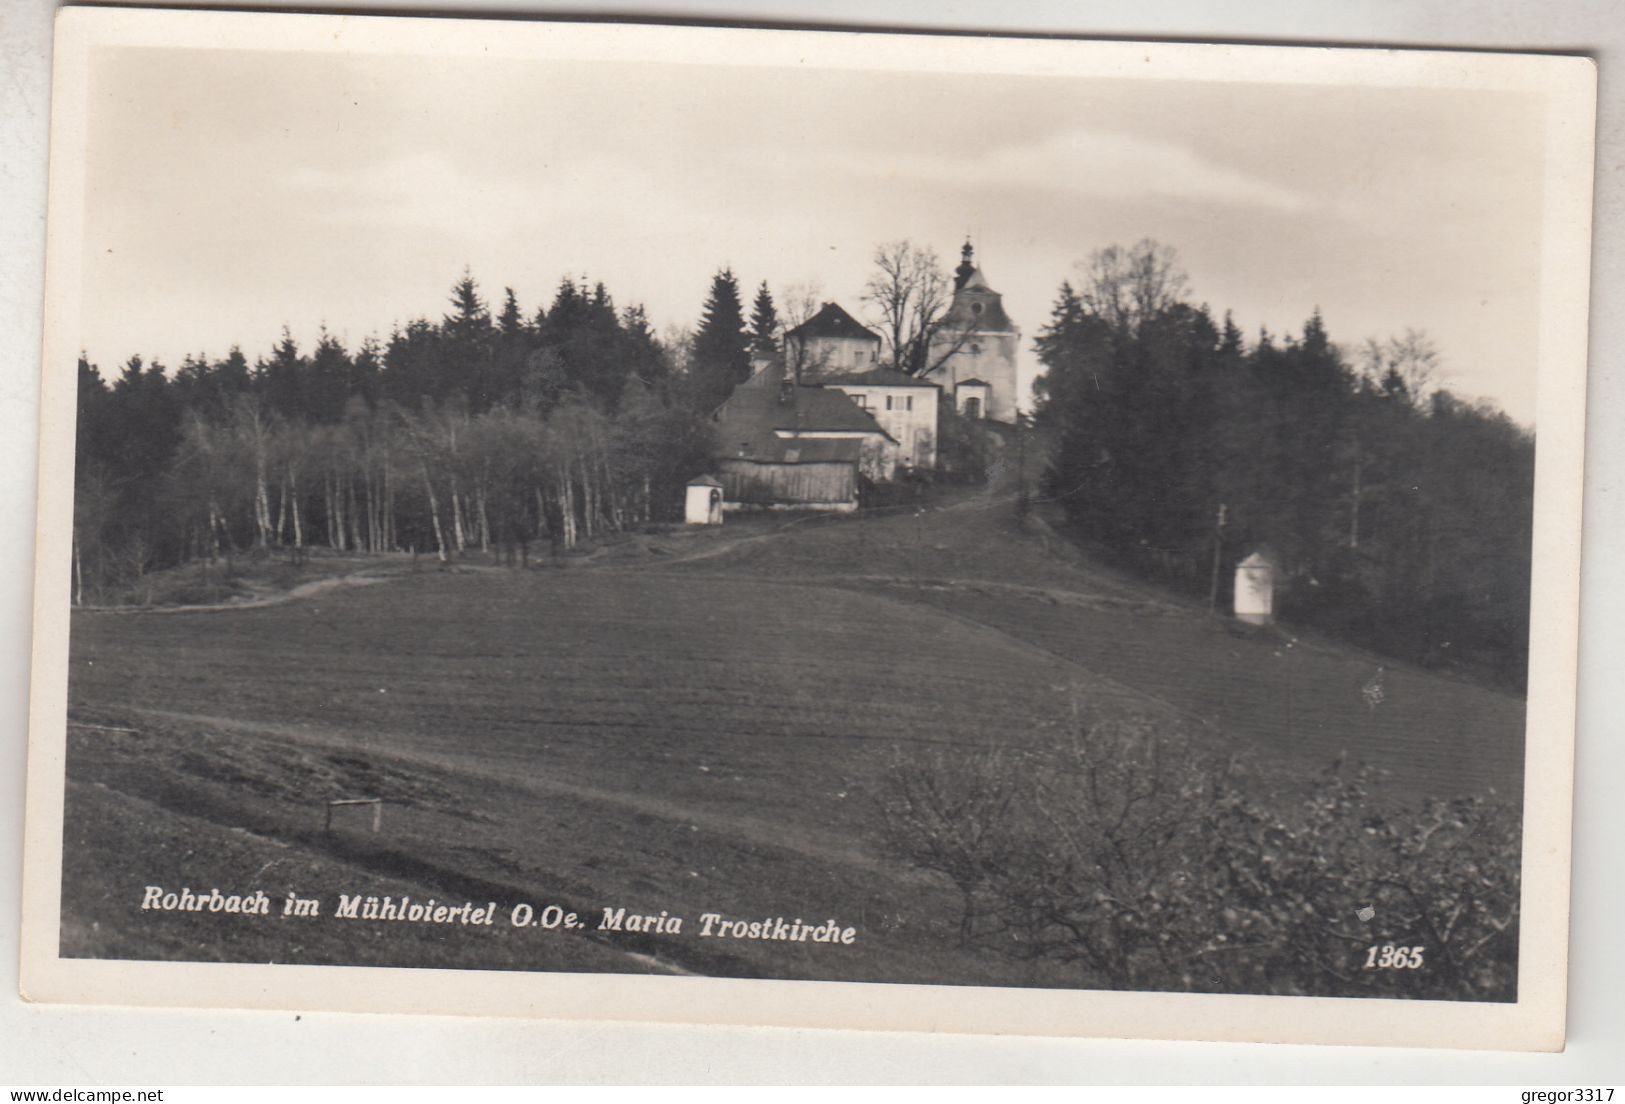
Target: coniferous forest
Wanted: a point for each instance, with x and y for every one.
(1401, 516)
(476, 432)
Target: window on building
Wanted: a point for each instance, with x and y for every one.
(862, 400)
(975, 348)
(908, 403)
(888, 402)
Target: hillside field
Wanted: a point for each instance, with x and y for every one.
(697, 724)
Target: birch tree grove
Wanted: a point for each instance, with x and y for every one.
(439, 446)
(439, 480)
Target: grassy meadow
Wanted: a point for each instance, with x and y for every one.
(690, 722)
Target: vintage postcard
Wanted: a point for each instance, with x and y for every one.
(809, 528)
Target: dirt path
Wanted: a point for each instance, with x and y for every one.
(723, 545)
(715, 548)
(260, 601)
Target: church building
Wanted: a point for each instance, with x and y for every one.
(972, 354)
(815, 422)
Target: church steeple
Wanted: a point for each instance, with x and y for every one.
(967, 267)
(972, 350)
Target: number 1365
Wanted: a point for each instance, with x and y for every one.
(1390, 957)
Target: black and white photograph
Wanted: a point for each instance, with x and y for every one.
(995, 533)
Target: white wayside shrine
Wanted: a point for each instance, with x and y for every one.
(703, 502)
(1255, 589)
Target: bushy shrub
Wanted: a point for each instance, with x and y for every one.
(1151, 863)
(964, 447)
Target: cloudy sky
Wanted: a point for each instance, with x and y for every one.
(232, 192)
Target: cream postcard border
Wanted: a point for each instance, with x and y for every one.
(1535, 1022)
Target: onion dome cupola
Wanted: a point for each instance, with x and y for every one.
(967, 266)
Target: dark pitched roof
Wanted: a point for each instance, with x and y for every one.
(815, 408)
(749, 421)
(832, 321)
(877, 377)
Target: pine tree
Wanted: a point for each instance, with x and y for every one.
(232, 375)
(92, 414)
(1054, 346)
(510, 323)
(145, 420)
(1230, 342)
(281, 379)
(645, 359)
(514, 342)
(412, 364)
(721, 356)
(1128, 392)
(327, 384)
(469, 346)
(192, 381)
(604, 363)
(582, 338)
(764, 322)
(366, 369)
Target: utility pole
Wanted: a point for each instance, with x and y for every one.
(1354, 512)
(1218, 544)
(1022, 505)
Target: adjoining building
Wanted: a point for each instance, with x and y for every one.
(830, 342)
(971, 397)
(784, 445)
(972, 353)
(904, 405)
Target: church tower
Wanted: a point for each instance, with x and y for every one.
(973, 351)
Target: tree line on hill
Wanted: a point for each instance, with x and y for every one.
(1400, 516)
(485, 430)
(477, 431)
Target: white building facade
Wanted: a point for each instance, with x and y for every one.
(831, 342)
(905, 407)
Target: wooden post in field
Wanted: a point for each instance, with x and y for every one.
(1218, 544)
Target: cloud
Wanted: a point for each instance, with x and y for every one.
(1090, 163)
(415, 191)
(426, 192)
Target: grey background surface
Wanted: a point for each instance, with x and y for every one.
(55, 1046)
